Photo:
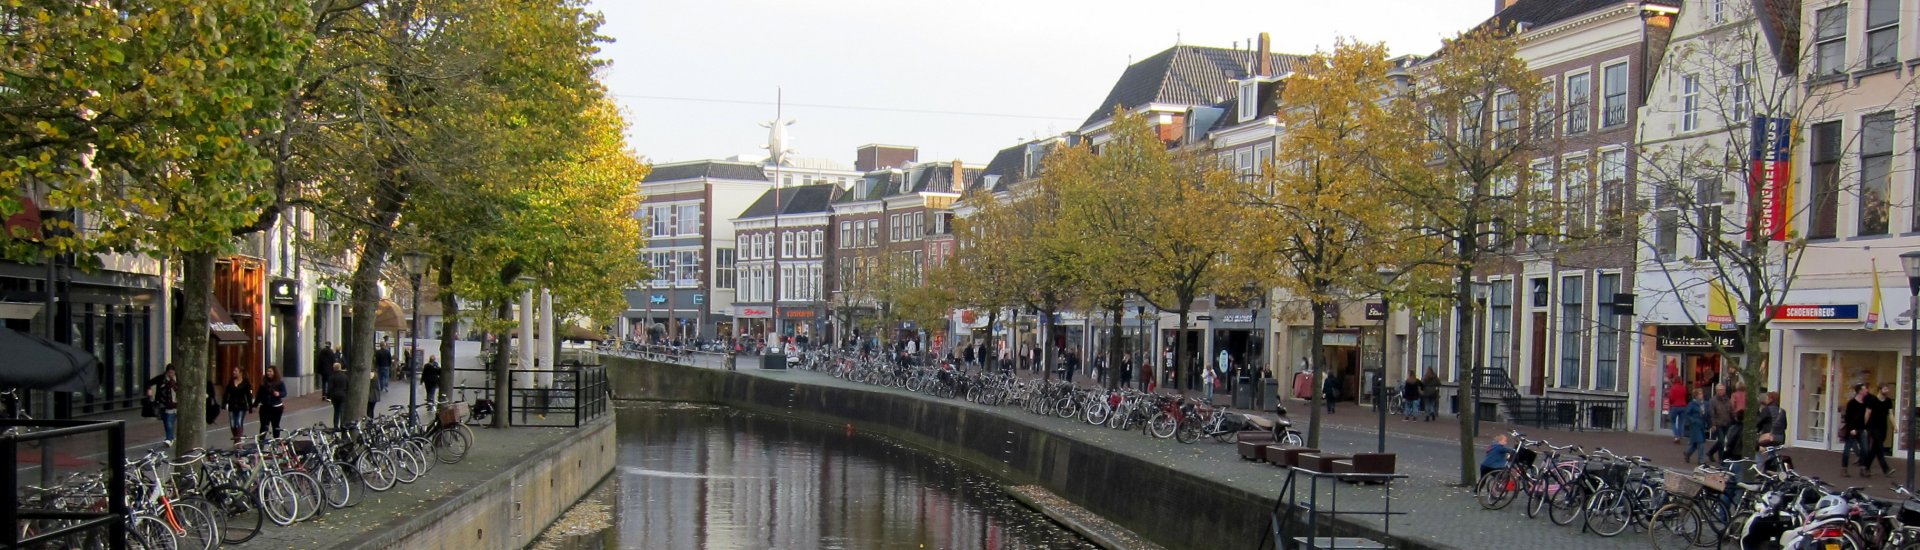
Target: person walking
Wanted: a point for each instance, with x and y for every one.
(1330, 389)
(373, 393)
(239, 401)
(1853, 431)
(325, 358)
(337, 394)
(1430, 388)
(1879, 411)
(1694, 420)
(430, 377)
(383, 363)
(1721, 409)
(271, 397)
(1410, 392)
(164, 390)
(1676, 406)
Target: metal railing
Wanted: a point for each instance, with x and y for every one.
(574, 395)
(45, 434)
(1289, 506)
(1574, 413)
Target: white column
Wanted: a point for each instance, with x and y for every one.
(548, 336)
(526, 341)
(308, 340)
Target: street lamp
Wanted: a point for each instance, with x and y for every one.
(1257, 299)
(1481, 291)
(1387, 275)
(416, 264)
(1910, 263)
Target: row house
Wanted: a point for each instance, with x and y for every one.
(695, 277)
(786, 241)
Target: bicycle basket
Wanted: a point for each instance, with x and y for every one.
(1716, 482)
(1615, 474)
(1524, 457)
(450, 414)
(1681, 484)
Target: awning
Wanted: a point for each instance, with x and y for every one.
(36, 363)
(224, 330)
(388, 318)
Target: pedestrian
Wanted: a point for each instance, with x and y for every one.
(383, 362)
(1721, 409)
(1206, 381)
(1879, 411)
(325, 358)
(1430, 388)
(1676, 406)
(373, 393)
(239, 401)
(1410, 392)
(164, 390)
(430, 377)
(1330, 390)
(337, 394)
(1853, 431)
(1497, 455)
(271, 397)
(1694, 420)
(1772, 423)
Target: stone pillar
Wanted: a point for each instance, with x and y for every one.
(526, 342)
(548, 337)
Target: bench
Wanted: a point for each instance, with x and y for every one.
(1286, 457)
(1319, 462)
(1251, 441)
(1366, 463)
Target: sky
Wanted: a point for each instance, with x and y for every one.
(959, 80)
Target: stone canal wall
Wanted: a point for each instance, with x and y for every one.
(1163, 504)
(507, 511)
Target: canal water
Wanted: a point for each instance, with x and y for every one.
(697, 477)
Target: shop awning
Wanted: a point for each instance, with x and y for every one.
(224, 330)
(387, 317)
(37, 363)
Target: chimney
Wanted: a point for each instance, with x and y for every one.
(958, 182)
(1263, 66)
(1502, 5)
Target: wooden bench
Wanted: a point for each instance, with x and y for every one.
(1286, 457)
(1366, 463)
(1319, 462)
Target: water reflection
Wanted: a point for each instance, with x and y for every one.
(705, 477)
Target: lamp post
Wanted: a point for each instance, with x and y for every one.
(1481, 290)
(1910, 263)
(416, 264)
(1257, 299)
(1380, 389)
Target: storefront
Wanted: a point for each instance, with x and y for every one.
(1692, 356)
(1826, 352)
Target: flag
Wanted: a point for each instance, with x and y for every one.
(1873, 308)
(1719, 307)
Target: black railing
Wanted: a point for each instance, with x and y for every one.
(1573, 413)
(22, 518)
(1286, 529)
(575, 395)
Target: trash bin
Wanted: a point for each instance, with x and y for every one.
(1243, 393)
(773, 361)
(1269, 395)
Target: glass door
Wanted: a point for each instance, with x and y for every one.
(1871, 368)
(1810, 429)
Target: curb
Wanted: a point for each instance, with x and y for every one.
(1106, 534)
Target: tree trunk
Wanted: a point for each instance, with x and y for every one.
(1464, 364)
(502, 375)
(365, 284)
(1180, 349)
(991, 362)
(192, 350)
(1046, 344)
(1112, 371)
(1317, 361)
(449, 324)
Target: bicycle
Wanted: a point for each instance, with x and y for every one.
(1693, 516)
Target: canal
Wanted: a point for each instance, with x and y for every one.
(697, 476)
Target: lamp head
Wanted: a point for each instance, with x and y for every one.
(415, 262)
(1910, 263)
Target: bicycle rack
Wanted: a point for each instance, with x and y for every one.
(1279, 524)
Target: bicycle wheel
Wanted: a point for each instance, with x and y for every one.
(1674, 527)
(1609, 512)
(423, 450)
(406, 465)
(275, 497)
(1097, 413)
(335, 486)
(306, 490)
(1497, 489)
(1567, 503)
(376, 470)
(1162, 425)
(450, 445)
(1188, 432)
(194, 524)
(1537, 491)
(1713, 521)
(240, 519)
(1068, 407)
(146, 532)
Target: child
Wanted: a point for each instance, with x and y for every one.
(1497, 455)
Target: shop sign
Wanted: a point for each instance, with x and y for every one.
(1696, 338)
(1243, 318)
(755, 312)
(1203, 318)
(657, 299)
(699, 299)
(799, 314)
(1340, 339)
(282, 291)
(1376, 311)
(328, 294)
(1821, 313)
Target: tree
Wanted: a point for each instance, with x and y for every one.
(147, 117)
(1461, 194)
(981, 273)
(1318, 215)
(1148, 205)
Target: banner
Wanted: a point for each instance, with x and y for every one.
(1719, 307)
(1873, 307)
(1769, 177)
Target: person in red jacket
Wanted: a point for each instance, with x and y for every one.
(1676, 403)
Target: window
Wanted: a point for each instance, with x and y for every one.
(660, 263)
(1606, 336)
(1613, 191)
(1613, 105)
(844, 233)
(1689, 102)
(1470, 115)
(687, 268)
(1573, 334)
(873, 232)
(1717, 11)
(1876, 173)
(1825, 217)
(1666, 220)
(690, 219)
(662, 222)
(1429, 346)
(1506, 117)
(919, 225)
(786, 245)
(1707, 202)
(766, 247)
(744, 245)
(786, 282)
(1243, 163)
(846, 272)
(1830, 41)
(819, 243)
(893, 228)
(1249, 100)
(753, 251)
(1741, 91)
(723, 262)
(1883, 32)
(1262, 156)
(1579, 202)
(1543, 110)
(1579, 103)
(1540, 186)
(813, 282)
(1499, 325)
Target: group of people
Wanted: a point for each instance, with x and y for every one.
(1421, 397)
(1711, 420)
(238, 398)
(1863, 430)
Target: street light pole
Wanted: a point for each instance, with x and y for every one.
(1380, 387)
(416, 264)
(1910, 263)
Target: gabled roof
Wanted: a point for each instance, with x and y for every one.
(868, 188)
(930, 177)
(709, 169)
(795, 200)
(1184, 75)
(1005, 168)
(1541, 13)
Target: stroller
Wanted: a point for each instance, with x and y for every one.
(482, 409)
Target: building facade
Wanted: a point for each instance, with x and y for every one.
(785, 271)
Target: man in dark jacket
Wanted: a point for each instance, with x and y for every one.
(337, 394)
(383, 365)
(324, 359)
(1879, 409)
(1853, 430)
(1720, 409)
(430, 377)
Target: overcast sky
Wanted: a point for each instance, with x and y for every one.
(956, 79)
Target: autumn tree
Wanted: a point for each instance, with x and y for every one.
(1318, 224)
(980, 274)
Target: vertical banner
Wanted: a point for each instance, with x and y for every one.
(1873, 308)
(1768, 177)
(1719, 307)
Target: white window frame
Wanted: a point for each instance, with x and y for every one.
(1577, 211)
(1249, 99)
(1689, 102)
(1837, 40)
(1626, 93)
(1580, 104)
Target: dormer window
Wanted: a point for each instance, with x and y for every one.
(1249, 100)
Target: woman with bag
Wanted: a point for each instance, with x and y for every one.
(163, 390)
(239, 401)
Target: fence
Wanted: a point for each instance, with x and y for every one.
(576, 393)
(1574, 413)
(33, 524)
